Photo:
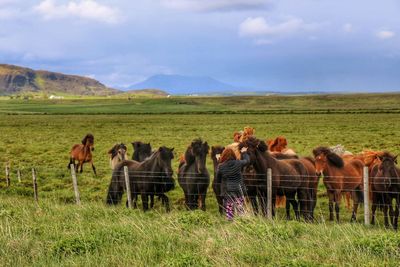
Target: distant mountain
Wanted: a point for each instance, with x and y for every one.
(147, 92)
(179, 84)
(15, 79)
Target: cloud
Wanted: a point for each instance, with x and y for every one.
(348, 27)
(385, 34)
(215, 5)
(84, 9)
(259, 27)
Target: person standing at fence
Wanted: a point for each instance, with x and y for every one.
(229, 172)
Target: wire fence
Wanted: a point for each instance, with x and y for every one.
(141, 182)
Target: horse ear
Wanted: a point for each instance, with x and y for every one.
(172, 149)
(395, 159)
(160, 149)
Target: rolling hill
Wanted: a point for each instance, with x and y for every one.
(16, 80)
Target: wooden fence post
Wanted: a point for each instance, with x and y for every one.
(128, 187)
(35, 189)
(19, 175)
(75, 184)
(269, 193)
(8, 174)
(366, 196)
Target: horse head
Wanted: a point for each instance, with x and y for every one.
(387, 167)
(141, 150)
(165, 156)
(88, 141)
(325, 157)
(255, 147)
(199, 150)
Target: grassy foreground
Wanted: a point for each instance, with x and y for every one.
(94, 235)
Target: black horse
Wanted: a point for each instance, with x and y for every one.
(193, 175)
(150, 177)
(216, 185)
(385, 177)
(140, 151)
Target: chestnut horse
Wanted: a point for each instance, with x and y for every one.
(83, 153)
(216, 151)
(385, 187)
(339, 177)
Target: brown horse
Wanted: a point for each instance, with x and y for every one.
(339, 177)
(289, 177)
(385, 187)
(83, 153)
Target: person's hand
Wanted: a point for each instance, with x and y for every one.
(243, 150)
(218, 156)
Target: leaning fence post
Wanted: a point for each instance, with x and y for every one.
(75, 184)
(19, 175)
(8, 174)
(35, 189)
(366, 196)
(269, 193)
(128, 187)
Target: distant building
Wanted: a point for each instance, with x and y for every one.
(56, 97)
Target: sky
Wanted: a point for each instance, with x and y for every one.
(285, 45)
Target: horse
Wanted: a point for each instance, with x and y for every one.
(140, 151)
(193, 175)
(288, 179)
(117, 153)
(339, 177)
(385, 187)
(83, 153)
(152, 176)
(279, 145)
(216, 185)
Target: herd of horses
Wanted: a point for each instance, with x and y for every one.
(294, 178)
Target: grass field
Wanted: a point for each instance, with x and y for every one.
(59, 233)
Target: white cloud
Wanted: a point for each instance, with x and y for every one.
(385, 34)
(348, 27)
(84, 9)
(258, 27)
(215, 5)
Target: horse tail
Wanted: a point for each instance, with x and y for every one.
(116, 187)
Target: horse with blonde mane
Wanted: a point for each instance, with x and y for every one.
(117, 154)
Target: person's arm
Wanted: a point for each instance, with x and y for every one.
(245, 157)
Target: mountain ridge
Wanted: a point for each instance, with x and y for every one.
(15, 79)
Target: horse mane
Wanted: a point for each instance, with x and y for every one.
(278, 144)
(332, 157)
(247, 133)
(88, 136)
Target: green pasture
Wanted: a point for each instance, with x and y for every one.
(60, 233)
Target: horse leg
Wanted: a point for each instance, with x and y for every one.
(331, 198)
(81, 164)
(93, 167)
(373, 209)
(355, 207)
(337, 203)
(152, 200)
(71, 161)
(165, 201)
(396, 213)
(385, 211)
(203, 201)
(254, 205)
(145, 202)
